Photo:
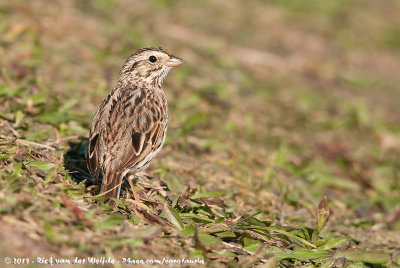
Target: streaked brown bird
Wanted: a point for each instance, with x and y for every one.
(129, 127)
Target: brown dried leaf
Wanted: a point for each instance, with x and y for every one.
(148, 217)
(211, 201)
(323, 214)
(77, 212)
(183, 201)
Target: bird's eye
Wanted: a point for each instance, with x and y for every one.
(152, 59)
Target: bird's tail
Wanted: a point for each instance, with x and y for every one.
(111, 185)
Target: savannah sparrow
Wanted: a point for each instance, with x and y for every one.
(130, 125)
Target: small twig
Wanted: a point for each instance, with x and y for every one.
(14, 132)
(62, 140)
(237, 248)
(32, 143)
(10, 141)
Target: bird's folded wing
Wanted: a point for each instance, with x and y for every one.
(146, 136)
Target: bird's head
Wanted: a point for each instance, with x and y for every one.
(149, 65)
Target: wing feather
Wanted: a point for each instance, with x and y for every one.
(92, 156)
(149, 141)
(137, 142)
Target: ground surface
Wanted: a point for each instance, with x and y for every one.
(279, 103)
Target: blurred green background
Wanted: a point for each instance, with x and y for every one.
(278, 104)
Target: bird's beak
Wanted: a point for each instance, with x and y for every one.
(174, 61)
